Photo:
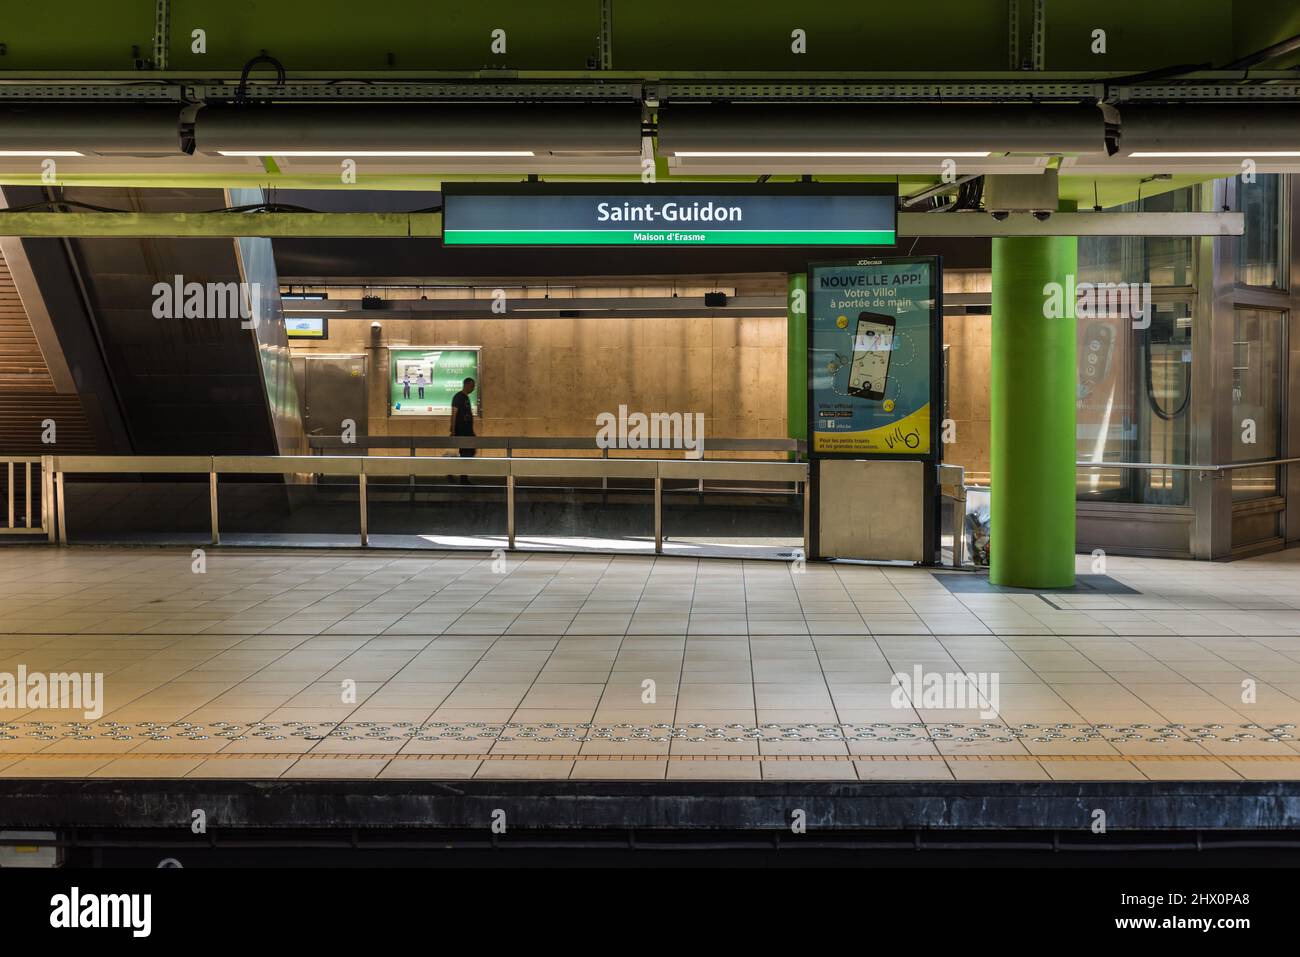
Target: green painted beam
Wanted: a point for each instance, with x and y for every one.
(924, 76)
(238, 179)
(1109, 190)
(345, 38)
(206, 225)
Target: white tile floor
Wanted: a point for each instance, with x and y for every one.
(601, 667)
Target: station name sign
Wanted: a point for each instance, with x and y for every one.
(787, 214)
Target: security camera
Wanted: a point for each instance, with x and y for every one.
(1042, 216)
(376, 326)
(1000, 215)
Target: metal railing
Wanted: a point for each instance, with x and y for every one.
(33, 522)
(509, 444)
(364, 467)
(1171, 467)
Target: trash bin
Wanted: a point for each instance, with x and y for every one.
(978, 527)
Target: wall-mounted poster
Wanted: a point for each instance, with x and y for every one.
(423, 381)
(873, 358)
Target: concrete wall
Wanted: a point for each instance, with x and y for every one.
(551, 377)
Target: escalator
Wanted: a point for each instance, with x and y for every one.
(149, 375)
(189, 385)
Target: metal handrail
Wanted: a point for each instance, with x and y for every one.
(1171, 467)
(364, 466)
(420, 464)
(11, 526)
(510, 443)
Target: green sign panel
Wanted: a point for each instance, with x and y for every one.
(858, 214)
(423, 381)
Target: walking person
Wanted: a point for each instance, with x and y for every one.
(462, 419)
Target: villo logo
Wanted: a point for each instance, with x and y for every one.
(75, 910)
(179, 299)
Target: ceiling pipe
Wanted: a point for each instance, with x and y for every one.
(868, 130)
(453, 130)
(1212, 131)
(51, 130)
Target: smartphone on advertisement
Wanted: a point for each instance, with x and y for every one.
(873, 341)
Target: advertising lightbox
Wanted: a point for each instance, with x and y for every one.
(873, 358)
(423, 381)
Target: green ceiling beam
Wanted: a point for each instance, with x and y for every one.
(1111, 191)
(651, 37)
(392, 181)
(1108, 191)
(294, 225)
(208, 225)
(232, 180)
(932, 75)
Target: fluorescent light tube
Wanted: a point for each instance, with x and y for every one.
(40, 153)
(816, 154)
(352, 153)
(1215, 154)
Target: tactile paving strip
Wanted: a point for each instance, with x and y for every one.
(627, 732)
(479, 734)
(547, 756)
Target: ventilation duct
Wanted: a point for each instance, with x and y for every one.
(868, 131)
(1195, 130)
(48, 130)
(480, 130)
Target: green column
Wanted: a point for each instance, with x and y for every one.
(796, 356)
(1034, 384)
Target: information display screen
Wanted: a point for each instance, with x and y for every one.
(306, 327)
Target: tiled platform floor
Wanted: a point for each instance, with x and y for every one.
(539, 666)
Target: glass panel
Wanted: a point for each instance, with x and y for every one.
(1259, 251)
(760, 514)
(1159, 260)
(578, 512)
(123, 508)
(1256, 399)
(260, 509)
(437, 511)
(1134, 405)
(272, 341)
